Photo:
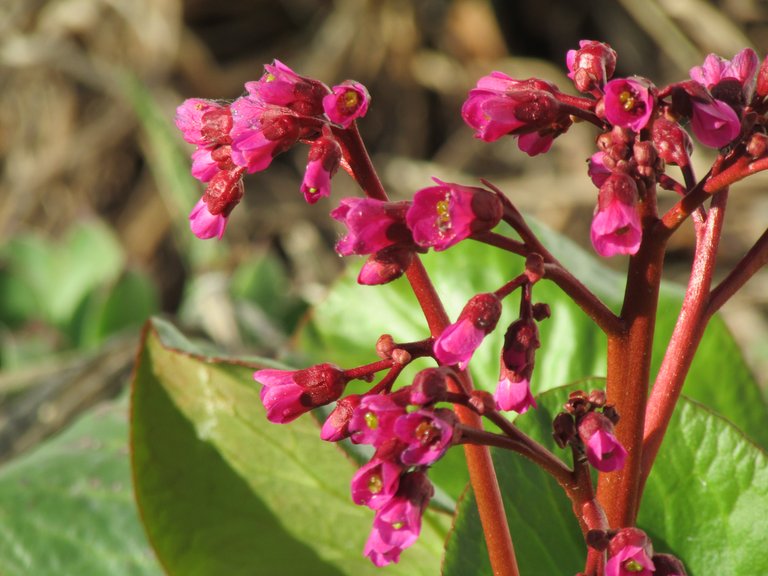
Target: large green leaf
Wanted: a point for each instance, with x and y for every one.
(67, 508)
(224, 491)
(704, 502)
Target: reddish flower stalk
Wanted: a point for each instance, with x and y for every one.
(481, 471)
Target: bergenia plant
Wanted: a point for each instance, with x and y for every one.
(400, 421)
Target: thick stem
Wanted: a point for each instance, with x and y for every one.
(629, 359)
(686, 336)
(481, 471)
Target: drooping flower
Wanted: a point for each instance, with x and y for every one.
(281, 86)
(629, 102)
(715, 123)
(591, 66)
(616, 227)
(287, 394)
(385, 265)
(458, 342)
(336, 426)
(443, 215)
(346, 103)
(397, 524)
(203, 122)
(373, 421)
(205, 225)
(372, 225)
(210, 215)
(427, 433)
(323, 162)
(513, 391)
(596, 169)
(629, 554)
(604, 452)
(204, 167)
(376, 483)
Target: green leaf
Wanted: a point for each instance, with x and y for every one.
(67, 508)
(705, 501)
(224, 491)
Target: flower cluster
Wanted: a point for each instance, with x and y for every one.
(642, 126)
(277, 111)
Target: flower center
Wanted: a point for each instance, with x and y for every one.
(425, 433)
(269, 77)
(627, 100)
(397, 525)
(351, 100)
(633, 565)
(375, 484)
(621, 231)
(371, 420)
(443, 215)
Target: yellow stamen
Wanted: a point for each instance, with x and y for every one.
(371, 421)
(443, 215)
(397, 525)
(375, 484)
(351, 99)
(424, 432)
(627, 100)
(633, 566)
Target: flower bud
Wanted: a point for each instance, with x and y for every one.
(668, 565)
(385, 266)
(616, 227)
(513, 391)
(591, 65)
(458, 342)
(336, 426)
(429, 386)
(672, 143)
(604, 452)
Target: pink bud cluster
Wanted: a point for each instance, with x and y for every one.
(277, 111)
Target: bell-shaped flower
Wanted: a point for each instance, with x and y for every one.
(427, 433)
(204, 167)
(629, 554)
(513, 391)
(616, 227)
(604, 452)
(346, 103)
(281, 86)
(376, 483)
(715, 124)
(205, 225)
(628, 102)
(372, 225)
(336, 426)
(386, 265)
(443, 215)
(287, 394)
(591, 66)
(373, 421)
(458, 342)
(323, 162)
(260, 132)
(397, 524)
(596, 169)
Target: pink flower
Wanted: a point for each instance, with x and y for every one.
(386, 265)
(261, 132)
(591, 65)
(596, 169)
(373, 421)
(203, 122)
(287, 394)
(741, 68)
(397, 524)
(323, 161)
(281, 86)
(604, 452)
(336, 426)
(715, 124)
(347, 102)
(458, 342)
(205, 225)
(376, 483)
(616, 225)
(204, 167)
(427, 433)
(429, 386)
(372, 225)
(513, 391)
(628, 103)
(535, 143)
(443, 215)
(629, 554)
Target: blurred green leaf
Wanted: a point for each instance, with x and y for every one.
(67, 508)
(224, 491)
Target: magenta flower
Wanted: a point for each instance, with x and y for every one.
(427, 433)
(203, 122)
(628, 102)
(373, 421)
(458, 342)
(513, 391)
(715, 124)
(443, 215)
(629, 554)
(281, 86)
(347, 102)
(336, 426)
(591, 65)
(204, 167)
(323, 161)
(604, 452)
(385, 265)
(616, 225)
(205, 225)
(261, 132)
(287, 394)
(740, 68)
(429, 386)
(397, 524)
(376, 483)
(535, 143)
(372, 225)
(596, 169)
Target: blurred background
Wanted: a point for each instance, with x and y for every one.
(95, 186)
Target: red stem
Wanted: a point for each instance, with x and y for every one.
(481, 471)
